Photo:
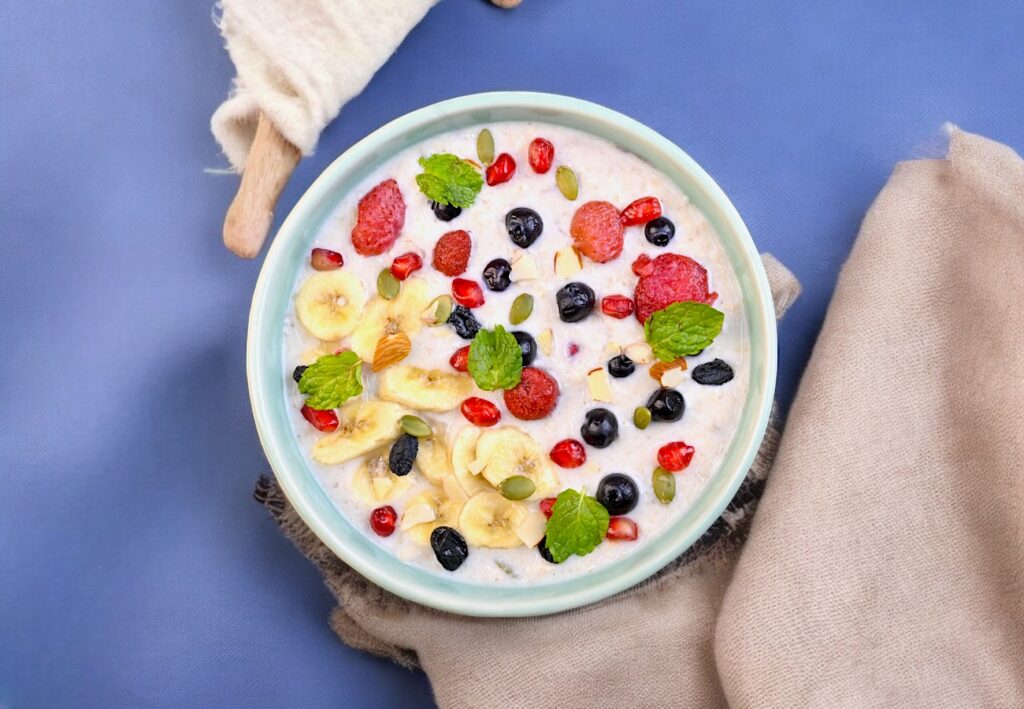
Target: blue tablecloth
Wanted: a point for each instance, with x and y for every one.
(135, 570)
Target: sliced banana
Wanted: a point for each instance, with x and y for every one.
(507, 451)
(462, 453)
(389, 317)
(424, 389)
(489, 520)
(445, 509)
(432, 460)
(363, 426)
(373, 483)
(329, 304)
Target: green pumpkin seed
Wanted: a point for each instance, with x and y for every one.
(641, 417)
(521, 308)
(415, 426)
(485, 147)
(567, 183)
(517, 487)
(387, 285)
(664, 484)
(439, 310)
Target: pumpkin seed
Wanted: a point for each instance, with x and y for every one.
(415, 426)
(517, 487)
(641, 417)
(664, 484)
(387, 285)
(567, 183)
(439, 310)
(485, 147)
(521, 308)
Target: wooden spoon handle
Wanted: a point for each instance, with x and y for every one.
(271, 161)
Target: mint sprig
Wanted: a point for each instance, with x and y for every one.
(578, 524)
(682, 329)
(449, 179)
(332, 380)
(495, 359)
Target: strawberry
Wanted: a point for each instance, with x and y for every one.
(641, 211)
(643, 266)
(380, 219)
(460, 360)
(671, 279)
(568, 453)
(322, 420)
(675, 456)
(597, 231)
(383, 519)
(547, 506)
(451, 253)
(467, 293)
(480, 412)
(541, 154)
(534, 397)
(501, 170)
(326, 260)
(616, 306)
(622, 529)
(405, 264)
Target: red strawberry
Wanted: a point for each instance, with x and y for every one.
(641, 211)
(405, 264)
(672, 279)
(380, 219)
(534, 397)
(643, 266)
(597, 231)
(480, 412)
(675, 456)
(541, 154)
(460, 360)
(547, 506)
(383, 519)
(326, 260)
(451, 253)
(501, 170)
(622, 529)
(568, 453)
(467, 293)
(616, 306)
(321, 420)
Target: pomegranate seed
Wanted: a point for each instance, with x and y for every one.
(617, 306)
(326, 260)
(643, 266)
(574, 349)
(467, 293)
(547, 506)
(641, 211)
(675, 456)
(480, 412)
(622, 529)
(405, 264)
(382, 520)
(541, 154)
(321, 420)
(501, 170)
(460, 360)
(568, 453)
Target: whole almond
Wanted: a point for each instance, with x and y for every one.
(658, 369)
(390, 349)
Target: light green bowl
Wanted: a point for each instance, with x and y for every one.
(266, 369)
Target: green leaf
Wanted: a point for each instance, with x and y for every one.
(495, 359)
(332, 380)
(449, 179)
(578, 524)
(682, 329)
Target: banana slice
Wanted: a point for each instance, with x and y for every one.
(489, 520)
(462, 453)
(508, 451)
(389, 317)
(329, 304)
(424, 389)
(432, 460)
(364, 426)
(446, 513)
(373, 483)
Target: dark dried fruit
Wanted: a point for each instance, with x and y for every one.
(545, 553)
(402, 454)
(713, 373)
(445, 212)
(527, 345)
(524, 226)
(621, 366)
(600, 428)
(498, 274)
(465, 323)
(575, 301)
(666, 405)
(297, 374)
(660, 231)
(449, 547)
(618, 493)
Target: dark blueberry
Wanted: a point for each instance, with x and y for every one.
(527, 344)
(403, 453)
(445, 212)
(618, 493)
(449, 547)
(465, 323)
(660, 231)
(524, 226)
(545, 553)
(666, 405)
(297, 374)
(621, 366)
(498, 274)
(600, 428)
(715, 373)
(575, 301)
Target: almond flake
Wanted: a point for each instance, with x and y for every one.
(658, 370)
(524, 268)
(568, 262)
(545, 340)
(599, 386)
(533, 528)
(640, 352)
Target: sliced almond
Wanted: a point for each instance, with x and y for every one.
(673, 377)
(545, 340)
(568, 262)
(418, 514)
(639, 352)
(599, 385)
(612, 349)
(533, 528)
(659, 370)
(524, 268)
(391, 349)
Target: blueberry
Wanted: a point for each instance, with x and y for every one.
(714, 373)
(465, 323)
(297, 374)
(524, 226)
(666, 405)
(575, 301)
(618, 493)
(402, 454)
(445, 212)
(621, 366)
(527, 344)
(498, 274)
(449, 547)
(545, 553)
(660, 231)
(600, 428)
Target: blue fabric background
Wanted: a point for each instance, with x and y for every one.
(135, 570)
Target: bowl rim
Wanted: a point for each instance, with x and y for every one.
(573, 591)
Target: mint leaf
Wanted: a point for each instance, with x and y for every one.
(332, 380)
(449, 179)
(682, 329)
(495, 360)
(578, 524)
